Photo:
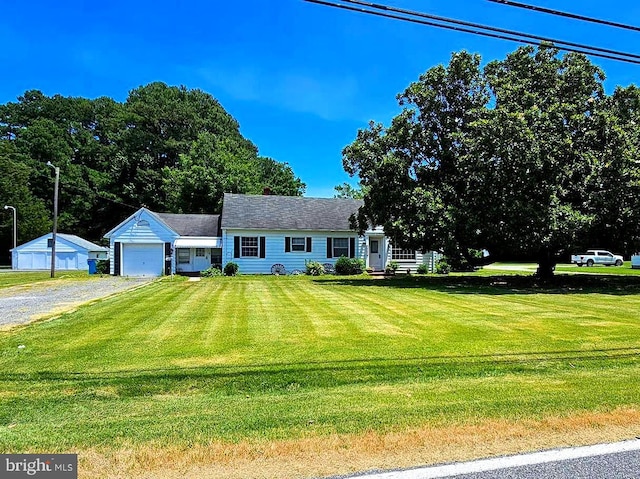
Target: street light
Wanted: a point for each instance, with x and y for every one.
(55, 219)
(15, 229)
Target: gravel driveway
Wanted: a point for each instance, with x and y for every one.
(21, 304)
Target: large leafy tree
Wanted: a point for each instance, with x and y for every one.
(214, 166)
(168, 148)
(523, 158)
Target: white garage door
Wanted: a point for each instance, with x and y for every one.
(66, 260)
(34, 260)
(42, 260)
(142, 259)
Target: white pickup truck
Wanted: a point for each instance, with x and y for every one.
(597, 256)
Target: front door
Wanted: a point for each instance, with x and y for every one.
(201, 260)
(375, 254)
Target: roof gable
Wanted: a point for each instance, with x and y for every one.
(267, 212)
(81, 242)
(141, 218)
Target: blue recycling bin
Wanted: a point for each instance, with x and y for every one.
(93, 266)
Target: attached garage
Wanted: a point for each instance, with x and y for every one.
(148, 243)
(141, 246)
(72, 253)
(142, 259)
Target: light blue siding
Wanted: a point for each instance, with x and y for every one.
(275, 249)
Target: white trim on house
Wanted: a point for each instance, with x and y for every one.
(193, 242)
(376, 258)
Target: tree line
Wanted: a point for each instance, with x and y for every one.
(168, 148)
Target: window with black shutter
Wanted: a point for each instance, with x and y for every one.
(340, 247)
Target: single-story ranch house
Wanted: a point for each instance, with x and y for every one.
(254, 231)
(72, 253)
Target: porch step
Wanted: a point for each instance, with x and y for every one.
(189, 274)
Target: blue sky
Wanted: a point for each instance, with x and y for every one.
(300, 78)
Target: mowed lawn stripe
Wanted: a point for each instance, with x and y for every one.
(273, 357)
(211, 319)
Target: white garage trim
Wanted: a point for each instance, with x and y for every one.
(142, 259)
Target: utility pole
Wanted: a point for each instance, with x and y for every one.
(15, 229)
(55, 219)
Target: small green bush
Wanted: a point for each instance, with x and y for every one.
(102, 266)
(231, 269)
(348, 266)
(392, 267)
(423, 269)
(314, 268)
(211, 272)
(442, 267)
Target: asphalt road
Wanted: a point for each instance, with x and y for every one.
(622, 465)
(604, 461)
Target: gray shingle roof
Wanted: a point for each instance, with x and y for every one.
(192, 225)
(287, 212)
(83, 243)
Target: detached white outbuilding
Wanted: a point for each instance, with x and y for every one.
(72, 253)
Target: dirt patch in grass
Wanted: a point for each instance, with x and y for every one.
(344, 454)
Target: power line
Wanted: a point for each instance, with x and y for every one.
(511, 35)
(535, 8)
(488, 28)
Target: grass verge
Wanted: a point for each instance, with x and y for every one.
(347, 454)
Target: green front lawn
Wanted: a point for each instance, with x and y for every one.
(18, 278)
(625, 269)
(178, 363)
(530, 268)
